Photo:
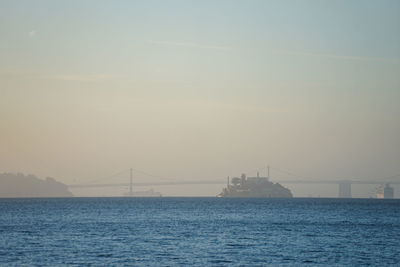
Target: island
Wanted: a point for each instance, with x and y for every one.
(20, 185)
(254, 187)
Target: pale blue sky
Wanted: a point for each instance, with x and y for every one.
(308, 85)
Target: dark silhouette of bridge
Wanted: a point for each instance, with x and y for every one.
(344, 184)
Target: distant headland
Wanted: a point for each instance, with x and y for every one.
(20, 185)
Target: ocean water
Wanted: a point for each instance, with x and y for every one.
(199, 231)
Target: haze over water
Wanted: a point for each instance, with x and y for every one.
(200, 89)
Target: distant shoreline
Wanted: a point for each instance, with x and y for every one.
(29, 186)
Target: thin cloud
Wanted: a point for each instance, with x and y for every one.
(338, 57)
(80, 77)
(190, 44)
(227, 106)
(32, 33)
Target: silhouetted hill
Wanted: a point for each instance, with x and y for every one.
(19, 185)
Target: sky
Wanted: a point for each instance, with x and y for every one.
(199, 90)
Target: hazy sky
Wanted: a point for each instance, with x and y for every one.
(200, 89)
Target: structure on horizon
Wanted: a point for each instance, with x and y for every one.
(385, 192)
(147, 193)
(254, 187)
(345, 189)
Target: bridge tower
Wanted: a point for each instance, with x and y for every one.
(345, 189)
(130, 183)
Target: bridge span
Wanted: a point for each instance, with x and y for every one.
(148, 183)
(344, 186)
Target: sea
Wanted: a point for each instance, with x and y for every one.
(199, 231)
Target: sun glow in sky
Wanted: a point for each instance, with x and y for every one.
(199, 89)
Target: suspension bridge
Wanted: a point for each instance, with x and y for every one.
(344, 185)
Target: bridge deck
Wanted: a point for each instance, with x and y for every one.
(222, 182)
